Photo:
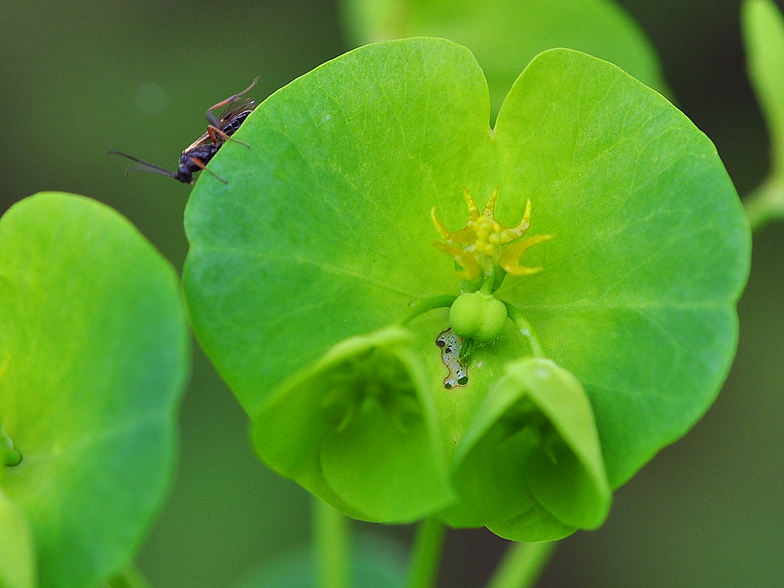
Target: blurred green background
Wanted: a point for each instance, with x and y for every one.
(78, 78)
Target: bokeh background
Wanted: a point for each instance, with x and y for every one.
(78, 78)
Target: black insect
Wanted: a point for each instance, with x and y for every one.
(219, 130)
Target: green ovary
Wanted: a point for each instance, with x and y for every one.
(477, 316)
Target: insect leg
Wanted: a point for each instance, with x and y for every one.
(229, 100)
(212, 131)
(202, 166)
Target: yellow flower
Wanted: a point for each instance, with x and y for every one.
(482, 245)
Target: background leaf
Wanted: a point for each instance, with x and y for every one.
(763, 31)
(763, 28)
(96, 347)
(505, 35)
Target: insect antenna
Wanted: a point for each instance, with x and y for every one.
(143, 166)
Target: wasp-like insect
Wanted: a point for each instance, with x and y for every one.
(219, 130)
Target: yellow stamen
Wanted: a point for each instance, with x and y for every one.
(481, 245)
(471, 267)
(510, 257)
(473, 211)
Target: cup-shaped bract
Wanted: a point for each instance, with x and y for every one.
(359, 430)
(532, 445)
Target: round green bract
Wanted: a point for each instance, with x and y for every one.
(94, 352)
(323, 232)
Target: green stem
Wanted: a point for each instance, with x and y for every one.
(424, 305)
(522, 565)
(129, 578)
(526, 330)
(469, 345)
(489, 282)
(765, 204)
(426, 555)
(332, 542)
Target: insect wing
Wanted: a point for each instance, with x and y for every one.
(203, 140)
(231, 118)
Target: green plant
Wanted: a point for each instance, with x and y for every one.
(94, 359)
(424, 316)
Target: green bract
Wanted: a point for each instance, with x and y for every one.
(365, 401)
(304, 267)
(93, 358)
(536, 426)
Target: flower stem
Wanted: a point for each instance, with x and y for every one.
(332, 542)
(131, 577)
(426, 555)
(467, 349)
(765, 204)
(522, 565)
(526, 330)
(489, 281)
(424, 305)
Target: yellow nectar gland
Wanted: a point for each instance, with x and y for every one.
(482, 243)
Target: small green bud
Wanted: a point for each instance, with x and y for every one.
(8, 456)
(477, 316)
